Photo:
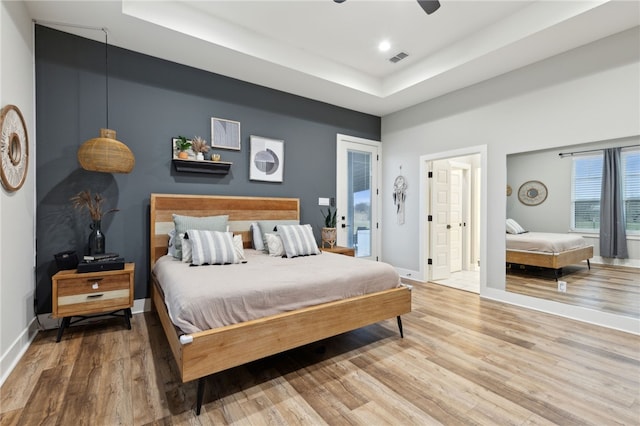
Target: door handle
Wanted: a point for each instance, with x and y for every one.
(448, 226)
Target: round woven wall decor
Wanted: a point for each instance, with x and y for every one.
(14, 148)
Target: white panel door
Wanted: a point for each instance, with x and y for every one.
(455, 220)
(440, 211)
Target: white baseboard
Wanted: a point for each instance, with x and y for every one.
(407, 273)
(16, 350)
(632, 263)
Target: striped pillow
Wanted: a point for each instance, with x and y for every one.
(298, 240)
(208, 223)
(212, 247)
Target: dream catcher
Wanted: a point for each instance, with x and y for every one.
(399, 196)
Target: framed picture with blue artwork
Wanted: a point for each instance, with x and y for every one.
(266, 159)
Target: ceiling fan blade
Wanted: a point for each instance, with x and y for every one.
(429, 6)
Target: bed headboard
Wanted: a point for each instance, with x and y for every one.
(241, 210)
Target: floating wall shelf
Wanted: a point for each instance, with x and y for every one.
(202, 166)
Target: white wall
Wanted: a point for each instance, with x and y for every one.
(588, 94)
(17, 209)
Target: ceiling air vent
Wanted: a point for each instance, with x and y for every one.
(400, 56)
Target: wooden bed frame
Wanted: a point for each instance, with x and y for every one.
(555, 261)
(204, 353)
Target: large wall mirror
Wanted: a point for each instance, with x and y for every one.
(552, 193)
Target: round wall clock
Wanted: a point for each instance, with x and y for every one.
(14, 148)
(532, 193)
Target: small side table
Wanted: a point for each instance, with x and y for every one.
(92, 294)
(347, 251)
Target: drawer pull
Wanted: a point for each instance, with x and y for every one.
(94, 296)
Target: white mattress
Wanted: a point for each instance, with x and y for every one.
(204, 297)
(545, 242)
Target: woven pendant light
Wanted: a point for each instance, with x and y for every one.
(106, 153)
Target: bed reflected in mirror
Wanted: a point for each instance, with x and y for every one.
(553, 226)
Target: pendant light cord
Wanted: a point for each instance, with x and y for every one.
(106, 70)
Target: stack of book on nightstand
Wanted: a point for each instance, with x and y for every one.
(101, 262)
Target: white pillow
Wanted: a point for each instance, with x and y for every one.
(256, 237)
(238, 246)
(171, 250)
(514, 228)
(274, 245)
(212, 247)
(186, 248)
(298, 240)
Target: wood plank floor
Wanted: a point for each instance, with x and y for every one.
(613, 289)
(463, 361)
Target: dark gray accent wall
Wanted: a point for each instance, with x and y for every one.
(151, 101)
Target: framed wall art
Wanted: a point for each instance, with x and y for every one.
(266, 159)
(225, 134)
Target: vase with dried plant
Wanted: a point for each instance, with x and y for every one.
(93, 204)
(200, 147)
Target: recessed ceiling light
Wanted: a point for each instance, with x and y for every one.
(384, 46)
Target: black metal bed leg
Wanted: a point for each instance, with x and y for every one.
(400, 326)
(589, 264)
(555, 272)
(200, 395)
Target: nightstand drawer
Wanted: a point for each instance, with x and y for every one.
(87, 303)
(95, 284)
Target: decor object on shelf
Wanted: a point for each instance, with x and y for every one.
(532, 193)
(225, 134)
(106, 153)
(266, 159)
(185, 157)
(200, 147)
(14, 148)
(399, 197)
(181, 146)
(93, 204)
(329, 232)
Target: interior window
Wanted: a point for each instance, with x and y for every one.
(586, 182)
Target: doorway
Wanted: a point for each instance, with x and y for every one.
(450, 188)
(357, 171)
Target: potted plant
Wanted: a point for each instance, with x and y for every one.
(329, 231)
(182, 145)
(200, 147)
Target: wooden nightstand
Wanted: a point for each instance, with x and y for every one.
(347, 251)
(92, 294)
